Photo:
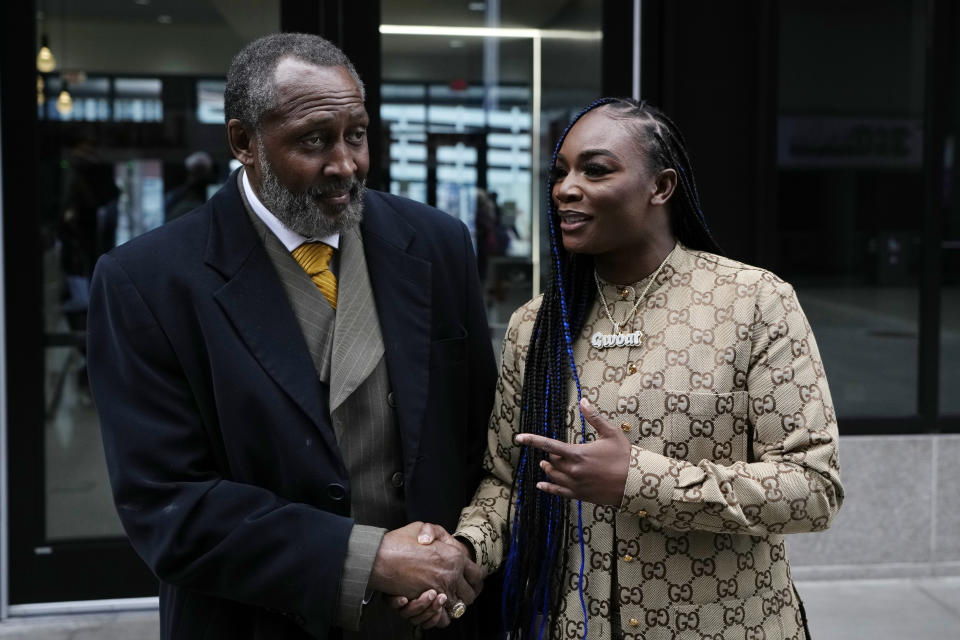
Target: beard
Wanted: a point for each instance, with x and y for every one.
(303, 212)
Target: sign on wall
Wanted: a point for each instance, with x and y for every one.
(814, 141)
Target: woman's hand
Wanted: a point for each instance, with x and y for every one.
(425, 612)
(593, 472)
(429, 610)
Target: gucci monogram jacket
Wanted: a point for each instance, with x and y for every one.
(734, 444)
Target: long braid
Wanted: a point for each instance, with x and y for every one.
(539, 531)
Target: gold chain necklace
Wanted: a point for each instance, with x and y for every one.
(616, 339)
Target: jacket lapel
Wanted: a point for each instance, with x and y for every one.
(402, 291)
(357, 342)
(255, 303)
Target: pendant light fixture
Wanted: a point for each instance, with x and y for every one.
(45, 60)
(64, 100)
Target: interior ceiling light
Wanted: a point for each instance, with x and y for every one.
(164, 19)
(45, 60)
(487, 32)
(64, 101)
(477, 6)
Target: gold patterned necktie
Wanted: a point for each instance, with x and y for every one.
(314, 257)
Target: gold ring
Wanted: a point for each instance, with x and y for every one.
(458, 609)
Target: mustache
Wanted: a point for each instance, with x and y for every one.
(352, 184)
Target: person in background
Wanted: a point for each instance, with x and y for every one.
(193, 192)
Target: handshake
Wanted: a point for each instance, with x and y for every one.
(430, 574)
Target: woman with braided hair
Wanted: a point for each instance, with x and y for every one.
(662, 417)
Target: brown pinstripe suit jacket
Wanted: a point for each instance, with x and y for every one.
(346, 347)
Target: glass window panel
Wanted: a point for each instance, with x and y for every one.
(138, 99)
(138, 87)
(849, 154)
(472, 118)
(89, 95)
(950, 277)
(210, 101)
(105, 184)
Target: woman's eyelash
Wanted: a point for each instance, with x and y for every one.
(595, 169)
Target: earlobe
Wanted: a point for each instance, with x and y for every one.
(240, 141)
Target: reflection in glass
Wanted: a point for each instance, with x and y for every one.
(950, 333)
(128, 153)
(137, 99)
(210, 101)
(79, 503)
(467, 136)
(849, 159)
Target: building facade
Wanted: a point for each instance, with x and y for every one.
(823, 135)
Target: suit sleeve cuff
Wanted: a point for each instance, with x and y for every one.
(651, 482)
(361, 551)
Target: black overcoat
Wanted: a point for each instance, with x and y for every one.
(221, 454)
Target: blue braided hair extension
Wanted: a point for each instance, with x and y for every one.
(539, 531)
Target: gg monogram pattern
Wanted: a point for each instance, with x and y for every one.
(733, 444)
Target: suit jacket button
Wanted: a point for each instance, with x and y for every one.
(336, 492)
(397, 479)
(391, 400)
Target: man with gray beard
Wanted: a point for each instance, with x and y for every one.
(294, 378)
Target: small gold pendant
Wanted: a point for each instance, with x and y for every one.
(607, 340)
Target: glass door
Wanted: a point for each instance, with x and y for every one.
(125, 138)
(470, 136)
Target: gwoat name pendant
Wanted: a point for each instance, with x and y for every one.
(606, 340)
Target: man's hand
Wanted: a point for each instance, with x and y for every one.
(407, 567)
(594, 472)
(428, 611)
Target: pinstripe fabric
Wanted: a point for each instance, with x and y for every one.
(364, 422)
(357, 342)
(346, 347)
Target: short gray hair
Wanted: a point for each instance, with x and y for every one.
(249, 93)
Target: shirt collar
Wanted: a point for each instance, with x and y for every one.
(290, 239)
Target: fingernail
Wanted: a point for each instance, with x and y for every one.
(519, 439)
(543, 464)
(584, 403)
(442, 599)
(424, 539)
(403, 602)
(431, 595)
